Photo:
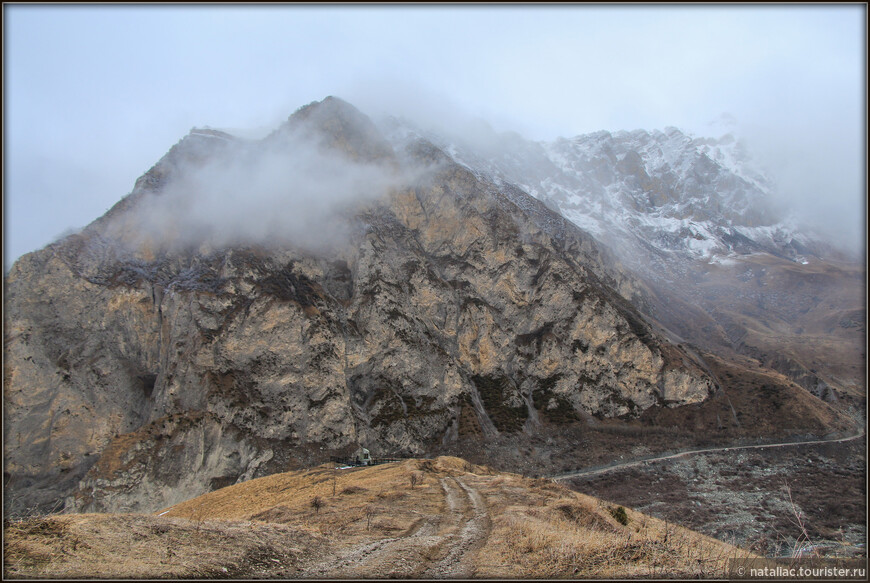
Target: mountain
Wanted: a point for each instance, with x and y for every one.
(255, 306)
(663, 194)
(695, 218)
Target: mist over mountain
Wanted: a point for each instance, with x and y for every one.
(256, 305)
(286, 189)
(702, 221)
(812, 164)
(670, 177)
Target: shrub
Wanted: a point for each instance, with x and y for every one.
(370, 512)
(619, 515)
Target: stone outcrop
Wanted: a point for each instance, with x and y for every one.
(140, 373)
(695, 219)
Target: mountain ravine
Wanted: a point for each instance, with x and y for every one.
(146, 367)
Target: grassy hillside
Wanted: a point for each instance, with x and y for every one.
(419, 518)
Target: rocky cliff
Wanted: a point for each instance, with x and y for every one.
(695, 218)
(146, 365)
(256, 306)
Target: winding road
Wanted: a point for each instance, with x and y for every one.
(635, 463)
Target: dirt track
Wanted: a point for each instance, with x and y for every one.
(449, 520)
(439, 547)
(634, 463)
(475, 523)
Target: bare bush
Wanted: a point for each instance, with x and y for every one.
(371, 510)
(803, 545)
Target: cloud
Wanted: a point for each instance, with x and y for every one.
(268, 193)
(541, 71)
(818, 169)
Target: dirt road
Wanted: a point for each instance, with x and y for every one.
(438, 547)
(634, 463)
(471, 526)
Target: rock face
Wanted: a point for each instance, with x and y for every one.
(144, 367)
(656, 195)
(693, 218)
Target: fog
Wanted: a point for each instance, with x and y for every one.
(95, 95)
(289, 191)
(820, 178)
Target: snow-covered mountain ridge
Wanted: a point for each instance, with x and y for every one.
(657, 197)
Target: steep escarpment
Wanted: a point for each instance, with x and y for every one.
(253, 307)
(444, 308)
(694, 217)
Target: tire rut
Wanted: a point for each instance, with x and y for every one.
(462, 543)
(448, 540)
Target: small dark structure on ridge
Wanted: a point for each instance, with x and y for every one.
(362, 457)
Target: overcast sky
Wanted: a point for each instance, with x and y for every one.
(95, 95)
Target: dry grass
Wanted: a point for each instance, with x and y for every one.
(295, 490)
(369, 503)
(147, 546)
(267, 528)
(558, 533)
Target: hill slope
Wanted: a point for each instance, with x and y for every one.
(454, 520)
(437, 309)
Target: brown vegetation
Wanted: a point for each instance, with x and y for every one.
(544, 530)
(268, 527)
(147, 546)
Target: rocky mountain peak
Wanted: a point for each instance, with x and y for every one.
(445, 308)
(661, 198)
(337, 124)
